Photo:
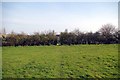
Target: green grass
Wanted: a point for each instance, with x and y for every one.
(79, 61)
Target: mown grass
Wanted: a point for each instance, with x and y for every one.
(76, 61)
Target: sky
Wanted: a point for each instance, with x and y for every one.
(30, 17)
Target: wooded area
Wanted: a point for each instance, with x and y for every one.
(106, 35)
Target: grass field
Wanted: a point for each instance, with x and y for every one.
(78, 61)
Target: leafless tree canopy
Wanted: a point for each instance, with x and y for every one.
(107, 29)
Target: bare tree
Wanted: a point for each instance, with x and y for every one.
(107, 29)
(107, 32)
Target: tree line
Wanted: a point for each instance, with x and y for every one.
(107, 34)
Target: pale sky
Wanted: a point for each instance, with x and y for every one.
(32, 17)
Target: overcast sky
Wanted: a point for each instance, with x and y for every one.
(32, 17)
